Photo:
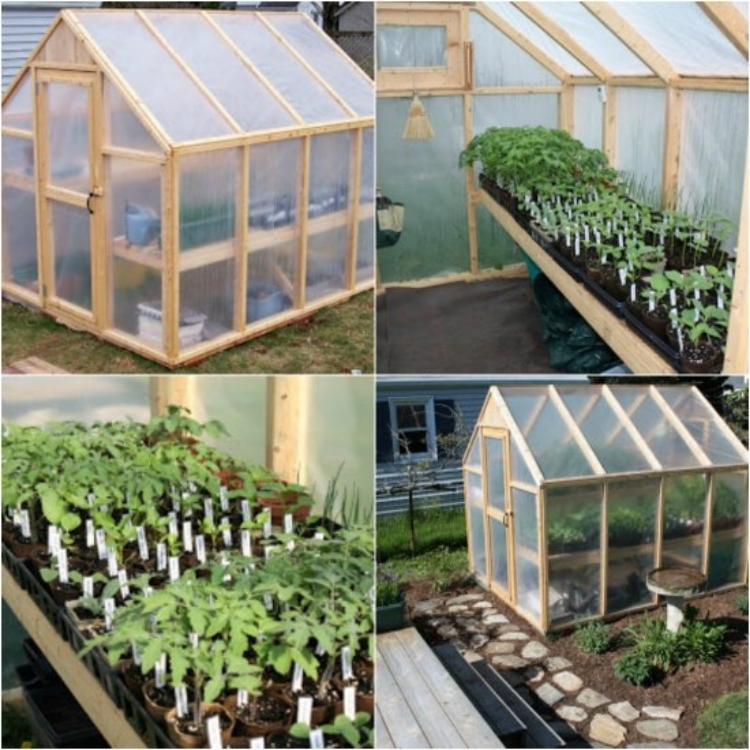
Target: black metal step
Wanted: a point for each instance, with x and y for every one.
(502, 720)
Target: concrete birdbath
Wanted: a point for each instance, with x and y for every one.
(674, 584)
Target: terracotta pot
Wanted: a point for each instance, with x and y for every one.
(320, 713)
(284, 502)
(131, 676)
(155, 710)
(257, 728)
(200, 738)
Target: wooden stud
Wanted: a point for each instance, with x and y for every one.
(101, 277)
(303, 201)
(130, 153)
(469, 173)
(645, 81)
(355, 179)
(609, 125)
(45, 248)
(541, 530)
(736, 359)
(672, 148)
(243, 241)
(170, 284)
(604, 547)
(566, 108)
(287, 411)
(252, 68)
(564, 39)
(27, 135)
(707, 516)
(730, 22)
(306, 65)
(607, 14)
(739, 85)
(67, 66)
(679, 427)
(170, 390)
(477, 91)
(523, 42)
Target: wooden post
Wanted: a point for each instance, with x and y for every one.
(170, 389)
(287, 413)
(609, 136)
(672, 145)
(565, 116)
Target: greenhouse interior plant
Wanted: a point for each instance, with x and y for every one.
(179, 577)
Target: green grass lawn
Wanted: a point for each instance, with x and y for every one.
(433, 528)
(335, 340)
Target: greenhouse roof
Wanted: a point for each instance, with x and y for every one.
(586, 431)
(668, 40)
(195, 75)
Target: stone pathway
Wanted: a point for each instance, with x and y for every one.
(472, 624)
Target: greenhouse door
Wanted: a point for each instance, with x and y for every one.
(69, 184)
(499, 515)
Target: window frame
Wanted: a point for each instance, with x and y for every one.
(428, 402)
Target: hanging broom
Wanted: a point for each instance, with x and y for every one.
(417, 125)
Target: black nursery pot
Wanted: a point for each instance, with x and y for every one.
(701, 358)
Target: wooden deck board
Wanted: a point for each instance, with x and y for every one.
(32, 366)
(416, 691)
(381, 731)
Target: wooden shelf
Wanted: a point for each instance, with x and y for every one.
(107, 717)
(614, 331)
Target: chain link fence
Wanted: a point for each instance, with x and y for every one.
(359, 45)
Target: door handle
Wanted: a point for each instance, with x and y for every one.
(88, 202)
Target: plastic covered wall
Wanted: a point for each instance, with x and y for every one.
(365, 270)
(683, 521)
(526, 541)
(122, 127)
(208, 190)
(70, 235)
(726, 561)
(714, 149)
(641, 114)
(588, 116)
(476, 513)
(411, 46)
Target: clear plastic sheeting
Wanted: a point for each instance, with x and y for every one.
(519, 467)
(595, 37)
(18, 111)
(411, 47)
(71, 254)
(631, 528)
(68, 136)
(588, 116)
(495, 472)
(683, 34)
(306, 94)
(221, 71)
(499, 546)
(329, 206)
(155, 76)
(641, 115)
(474, 458)
(726, 559)
(275, 187)
(539, 38)
(499, 61)
(124, 129)
(208, 218)
(526, 543)
(424, 176)
(477, 541)
(341, 74)
(514, 110)
(684, 520)
(713, 148)
(133, 208)
(20, 262)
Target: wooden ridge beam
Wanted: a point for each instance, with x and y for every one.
(730, 22)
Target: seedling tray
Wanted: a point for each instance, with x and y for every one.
(661, 346)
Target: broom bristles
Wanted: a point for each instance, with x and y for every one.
(417, 125)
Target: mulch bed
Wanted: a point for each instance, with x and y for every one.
(692, 689)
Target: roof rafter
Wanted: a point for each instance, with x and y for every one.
(730, 22)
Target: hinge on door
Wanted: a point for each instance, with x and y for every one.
(506, 517)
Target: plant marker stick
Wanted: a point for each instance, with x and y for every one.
(187, 535)
(135, 653)
(88, 587)
(208, 509)
(268, 601)
(180, 700)
(288, 523)
(346, 663)
(224, 499)
(316, 739)
(53, 541)
(720, 302)
(90, 533)
(124, 588)
(227, 532)
(161, 556)
(247, 550)
(267, 527)
(174, 568)
(62, 565)
(245, 510)
(679, 338)
(193, 638)
(242, 698)
(111, 563)
(258, 743)
(297, 678)
(214, 732)
(622, 272)
(672, 297)
(578, 244)
(350, 701)
(101, 544)
(651, 302)
(304, 710)
(173, 530)
(319, 535)
(109, 612)
(160, 671)
(25, 524)
(200, 548)
(632, 292)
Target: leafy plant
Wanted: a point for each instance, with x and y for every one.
(637, 669)
(388, 588)
(741, 603)
(593, 638)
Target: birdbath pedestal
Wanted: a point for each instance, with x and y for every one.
(674, 584)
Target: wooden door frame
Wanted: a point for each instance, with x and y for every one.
(46, 192)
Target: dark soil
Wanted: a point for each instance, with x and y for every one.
(691, 689)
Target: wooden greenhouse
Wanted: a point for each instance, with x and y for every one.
(177, 182)
(574, 493)
(661, 89)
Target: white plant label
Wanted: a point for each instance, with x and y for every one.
(160, 671)
(702, 269)
(730, 270)
(290, 545)
(350, 701)
(269, 550)
(174, 568)
(672, 298)
(585, 232)
(200, 547)
(208, 509)
(62, 565)
(609, 226)
(319, 650)
(632, 292)
(567, 237)
(88, 587)
(135, 653)
(109, 612)
(720, 302)
(679, 338)
(242, 698)
(622, 272)
(304, 710)
(147, 591)
(213, 727)
(111, 563)
(620, 241)
(181, 701)
(316, 739)
(25, 524)
(697, 294)
(651, 303)
(187, 535)
(268, 601)
(142, 543)
(101, 544)
(193, 637)
(578, 244)
(319, 535)
(245, 510)
(267, 528)
(246, 547)
(297, 678)
(258, 743)
(346, 663)
(288, 523)
(224, 499)
(173, 529)
(226, 533)
(604, 258)
(161, 556)
(122, 575)
(91, 498)
(90, 533)
(53, 541)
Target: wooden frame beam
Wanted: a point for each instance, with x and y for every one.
(562, 37)
(287, 415)
(730, 22)
(606, 13)
(672, 148)
(703, 83)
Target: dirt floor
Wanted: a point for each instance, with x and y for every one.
(475, 327)
(692, 690)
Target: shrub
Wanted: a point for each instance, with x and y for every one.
(723, 723)
(741, 603)
(593, 638)
(637, 669)
(700, 641)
